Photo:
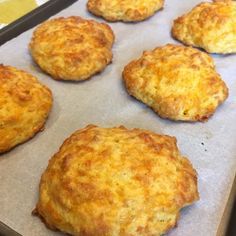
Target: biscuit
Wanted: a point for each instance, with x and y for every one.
(177, 82)
(24, 106)
(123, 10)
(72, 48)
(116, 182)
(210, 26)
(222, 0)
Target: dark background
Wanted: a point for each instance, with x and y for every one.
(232, 224)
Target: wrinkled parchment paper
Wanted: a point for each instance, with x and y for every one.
(102, 100)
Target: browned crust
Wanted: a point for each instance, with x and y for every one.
(209, 26)
(25, 105)
(88, 185)
(72, 48)
(123, 10)
(177, 82)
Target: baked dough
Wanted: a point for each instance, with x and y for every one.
(222, 0)
(177, 82)
(116, 182)
(210, 26)
(72, 48)
(124, 10)
(24, 106)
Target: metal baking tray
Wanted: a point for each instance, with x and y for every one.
(33, 18)
(102, 100)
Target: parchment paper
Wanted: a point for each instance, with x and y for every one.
(102, 100)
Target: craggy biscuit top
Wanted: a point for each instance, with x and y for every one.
(178, 82)
(223, 0)
(124, 10)
(211, 26)
(72, 48)
(116, 181)
(24, 106)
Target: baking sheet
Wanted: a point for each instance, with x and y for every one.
(11, 10)
(102, 100)
(32, 18)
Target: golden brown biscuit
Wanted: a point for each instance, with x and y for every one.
(24, 106)
(210, 26)
(116, 182)
(222, 0)
(124, 10)
(177, 82)
(72, 48)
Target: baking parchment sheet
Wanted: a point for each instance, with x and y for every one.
(103, 100)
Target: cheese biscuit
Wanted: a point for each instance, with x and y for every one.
(72, 48)
(177, 82)
(116, 182)
(210, 26)
(124, 10)
(24, 106)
